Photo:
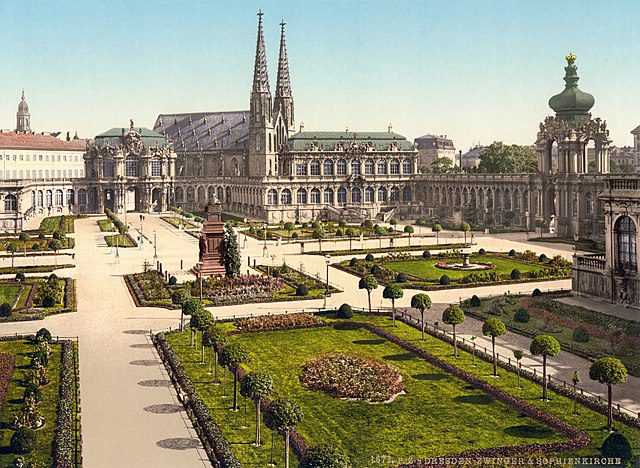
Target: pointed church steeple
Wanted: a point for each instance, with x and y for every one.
(283, 102)
(260, 73)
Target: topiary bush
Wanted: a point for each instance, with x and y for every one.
(512, 253)
(444, 280)
(325, 456)
(580, 335)
(294, 235)
(302, 290)
(35, 247)
(536, 293)
(475, 301)
(482, 252)
(173, 281)
(339, 232)
(426, 255)
(53, 276)
(617, 446)
(369, 257)
(5, 310)
(522, 316)
(20, 277)
(43, 335)
(542, 258)
(353, 262)
(515, 274)
(345, 311)
(375, 269)
(23, 441)
(401, 278)
(48, 301)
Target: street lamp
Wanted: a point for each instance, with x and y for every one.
(155, 247)
(327, 259)
(200, 265)
(265, 250)
(117, 251)
(244, 244)
(141, 235)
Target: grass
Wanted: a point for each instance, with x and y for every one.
(433, 403)
(42, 455)
(586, 245)
(123, 240)
(177, 222)
(35, 268)
(9, 293)
(106, 225)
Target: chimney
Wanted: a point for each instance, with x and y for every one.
(302, 126)
(68, 137)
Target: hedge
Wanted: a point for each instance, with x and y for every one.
(64, 442)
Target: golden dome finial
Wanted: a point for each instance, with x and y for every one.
(571, 58)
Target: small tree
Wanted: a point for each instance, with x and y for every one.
(282, 415)
(24, 237)
(231, 357)
(437, 228)
(55, 245)
(325, 456)
(200, 321)
(289, 226)
(368, 282)
(214, 338)
(540, 224)
(409, 230)
(544, 345)
(257, 385)
(318, 234)
(190, 306)
(576, 380)
(494, 327)
(350, 233)
(421, 302)
(518, 355)
(11, 248)
(393, 292)
(232, 262)
(465, 227)
(453, 315)
(609, 371)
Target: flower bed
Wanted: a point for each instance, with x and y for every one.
(344, 376)
(7, 363)
(412, 248)
(279, 322)
(32, 308)
(65, 439)
(295, 278)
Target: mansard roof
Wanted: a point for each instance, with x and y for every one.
(330, 140)
(39, 141)
(115, 136)
(204, 131)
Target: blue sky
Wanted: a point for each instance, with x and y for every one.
(474, 70)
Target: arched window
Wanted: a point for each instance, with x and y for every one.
(228, 194)
(356, 195)
(179, 195)
(342, 167)
(69, 199)
(220, 194)
(406, 194)
(301, 197)
(40, 201)
(301, 169)
(132, 166)
(574, 207)
(82, 197)
(369, 194)
(315, 195)
(382, 167)
(355, 167)
(285, 197)
(382, 194)
(328, 196)
(369, 167)
(272, 197)
(234, 167)
(211, 192)
(395, 194)
(10, 203)
(626, 249)
(201, 194)
(328, 167)
(394, 167)
(407, 166)
(315, 167)
(107, 168)
(342, 196)
(191, 194)
(49, 198)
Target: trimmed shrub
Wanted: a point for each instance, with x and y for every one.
(316, 225)
(542, 258)
(33, 391)
(5, 310)
(345, 311)
(58, 234)
(53, 276)
(179, 296)
(426, 255)
(401, 278)
(173, 281)
(617, 446)
(512, 253)
(302, 290)
(43, 335)
(522, 316)
(41, 236)
(20, 277)
(275, 273)
(48, 301)
(536, 293)
(445, 280)
(325, 456)
(515, 274)
(294, 235)
(475, 301)
(339, 232)
(496, 309)
(369, 257)
(35, 247)
(23, 441)
(353, 262)
(482, 252)
(375, 269)
(368, 224)
(580, 335)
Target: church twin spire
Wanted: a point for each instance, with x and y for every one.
(260, 73)
(283, 86)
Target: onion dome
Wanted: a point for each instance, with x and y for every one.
(572, 103)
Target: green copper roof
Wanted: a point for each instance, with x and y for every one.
(572, 103)
(114, 136)
(330, 141)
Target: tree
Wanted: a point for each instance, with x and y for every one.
(518, 355)
(540, 224)
(409, 230)
(609, 371)
(231, 357)
(325, 456)
(368, 282)
(24, 237)
(442, 164)
(283, 415)
(214, 338)
(494, 327)
(544, 345)
(199, 322)
(289, 226)
(501, 158)
(257, 385)
(453, 315)
(437, 228)
(421, 302)
(55, 245)
(350, 233)
(465, 227)
(576, 380)
(190, 306)
(393, 292)
(318, 234)
(232, 261)
(11, 248)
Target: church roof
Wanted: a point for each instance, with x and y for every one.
(329, 140)
(114, 136)
(204, 131)
(38, 141)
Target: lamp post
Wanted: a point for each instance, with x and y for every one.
(244, 244)
(575, 262)
(327, 259)
(155, 247)
(117, 251)
(141, 235)
(200, 265)
(265, 250)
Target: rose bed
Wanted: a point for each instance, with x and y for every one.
(353, 377)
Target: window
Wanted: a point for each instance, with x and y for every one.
(356, 195)
(301, 198)
(156, 168)
(395, 194)
(10, 203)
(328, 196)
(64, 173)
(315, 196)
(406, 194)
(40, 200)
(202, 194)
(382, 194)
(28, 173)
(301, 169)
(69, 197)
(49, 198)
(395, 167)
(369, 195)
(28, 157)
(285, 197)
(59, 173)
(342, 196)
(40, 173)
(368, 167)
(191, 194)
(272, 197)
(589, 203)
(342, 167)
(407, 166)
(315, 167)
(107, 166)
(132, 166)
(328, 167)
(355, 167)
(574, 207)
(21, 174)
(58, 197)
(626, 249)
(382, 167)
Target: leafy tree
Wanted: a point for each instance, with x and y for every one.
(318, 234)
(325, 456)
(350, 232)
(24, 237)
(501, 158)
(409, 230)
(453, 315)
(541, 224)
(421, 302)
(232, 261)
(393, 292)
(282, 415)
(231, 357)
(369, 283)
(544, 345)
(190, 306)
(289, 226)
(494, 327)
(199, 322)
(215, 338)
(437, 228)
(465, 227)
(609, 371)
(518, 354)
(55, 245)
(440, 165)
(11, 248)
(257, 385)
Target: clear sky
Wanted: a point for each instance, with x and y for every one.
(474, 70)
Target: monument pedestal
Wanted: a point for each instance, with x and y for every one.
(212, 241)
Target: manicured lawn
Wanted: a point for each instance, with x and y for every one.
(42, 455)
(122, 240)
(177, 222)
(438, 415)
(9, 293)
(106, 225)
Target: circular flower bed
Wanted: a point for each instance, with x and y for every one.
(344, 376)
(471, 266)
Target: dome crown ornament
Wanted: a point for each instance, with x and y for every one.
(570, 58)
